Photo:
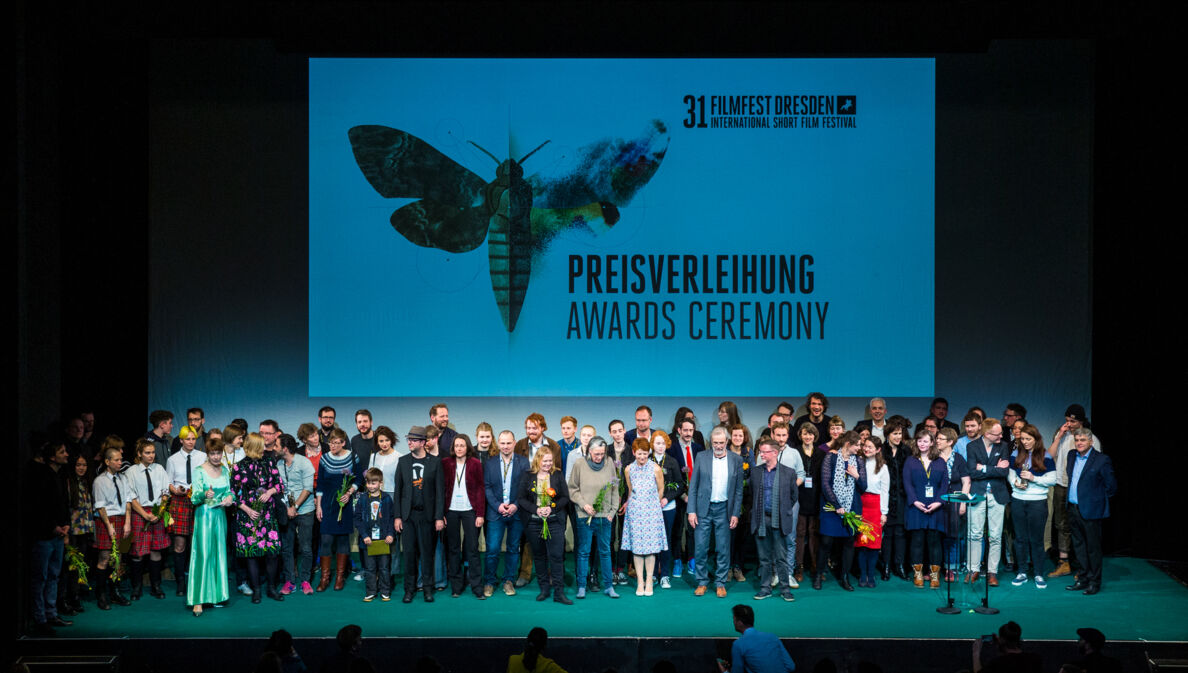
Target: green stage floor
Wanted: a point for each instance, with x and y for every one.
(1138, 602)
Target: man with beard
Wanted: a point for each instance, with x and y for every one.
(420, 514)
(817, 404)
(363, 443)
(439, 416)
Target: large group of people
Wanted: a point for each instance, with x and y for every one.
(271, 514)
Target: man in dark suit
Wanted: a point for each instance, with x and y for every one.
(501, 478)
(989, 464)
(773, 516)
(940, 411)
(877, 420)
(418, 497)
(685, 451)
(715, 502)
(1091, 484)
(643, 425)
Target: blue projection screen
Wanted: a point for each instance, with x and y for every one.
(620, 227)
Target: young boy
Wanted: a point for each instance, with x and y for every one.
(374, 519)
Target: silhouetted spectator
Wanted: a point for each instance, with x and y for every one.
(533, 659)
(1011, 657)
(349, 640)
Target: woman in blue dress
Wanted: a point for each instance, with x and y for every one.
(843, 479)
(925, 480)
(335, 511)
(643, 524)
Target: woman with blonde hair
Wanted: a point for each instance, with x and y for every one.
(255, 481)
(542, 499)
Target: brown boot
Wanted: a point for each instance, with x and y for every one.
(934, 583)
(325, 581)
(343, 561)
(1062, 569)
(918, 580)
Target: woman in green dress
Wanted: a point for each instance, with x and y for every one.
(208, 549)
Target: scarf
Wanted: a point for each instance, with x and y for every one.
(775, 502)
(596, 466)
(843, 484)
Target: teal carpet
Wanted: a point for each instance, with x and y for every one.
(1138, 602)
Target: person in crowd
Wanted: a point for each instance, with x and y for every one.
(1090, 644)
(233, 436)
(989, 465)
(419, 512)
(374, 522)
(256, 483)
(180, 468)
(741, 542)
(542, 499)
(532, 660)
(643, 425)
(728, 415)
(326, 423)
(773, 516)
(439, 418)
(484, 442)
(281, 644)
(875, 505)
(817, 405)
(972, 425)
(1091, 484)
(715, 504)
(877, 422)
(1032, 473)
(675, 486)
(340, 477)
(643, 523)
(501, 478)
(385, 456)
(311, 445)
(939, 412)
(211, 495)
(808, 527)
(790, 458)
(594, 491)
(685, 450)
(297, 474)
(43, 501)
(843, 479)
(364, 442)
(618, 452)
(895, 454)
(954, 512)
(1009, 654)
(569, 441)
(925, 480)
(836, 427)
(465, 506)
(160, 425)
(151, 485)
(755, 650)
(113, 494)
(682, 414)
(82, 527)
(1013, 413)
(1061, 448)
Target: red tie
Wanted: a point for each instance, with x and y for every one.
(689, 458)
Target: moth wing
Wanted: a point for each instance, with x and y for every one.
(431, 224)
(401, 165)
(547, 223)
(610, 170)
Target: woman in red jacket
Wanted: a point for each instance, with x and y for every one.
(465, 504)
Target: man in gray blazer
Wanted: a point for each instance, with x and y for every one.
(715, 502)
(773, 517)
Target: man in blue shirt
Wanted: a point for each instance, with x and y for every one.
(1091, 484)
(755, 651)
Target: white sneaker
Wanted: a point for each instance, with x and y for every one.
(792, 583)
(1019, 580)
(1040, 582)
(245, 589)
(358, 577)
(775, 579)
(664, 583)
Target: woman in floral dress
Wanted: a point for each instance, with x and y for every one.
(255, 481)
(643, 524)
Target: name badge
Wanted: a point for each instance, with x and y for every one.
(808, 482)
(375, 532)
(928, 491)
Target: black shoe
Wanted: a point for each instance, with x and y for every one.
(155, 591)
(1079, 585)
(886, 575)
(480, 595)
(66, 610)
(58, 621)
(845, 583)
(1093, 589)
(407, 598)
(428, 595)
(256, 595)
(118, 598)
(561, 598)
(817, 579)
(274, 594)
(896, 570)
(102, 603)
(181, 586)
(543, 595)
(76, 606)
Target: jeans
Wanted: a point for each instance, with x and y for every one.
(716, 523)
(47, 563)
(498, 526)
(773, 555)
(791, 544)
(977, 516)
(1030, 518)
(298, 537)
(377, 573)
(600, 528)
(664, 562)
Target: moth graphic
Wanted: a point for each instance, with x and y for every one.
(518, 216)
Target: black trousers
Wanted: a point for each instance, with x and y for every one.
(462, 545)
(1086, 541)
(826, 548)
(419, 545)
(932, 538)
(548, 553)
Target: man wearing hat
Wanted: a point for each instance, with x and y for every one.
(418, 497)
(1090, 643)
(1074, 418)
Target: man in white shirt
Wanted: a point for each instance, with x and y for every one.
(715, 503)
(181, 468)
(878, 418)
